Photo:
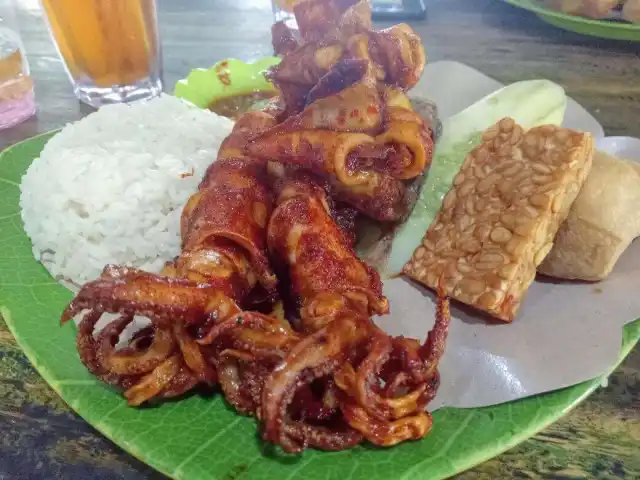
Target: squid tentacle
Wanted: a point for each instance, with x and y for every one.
(315, 356)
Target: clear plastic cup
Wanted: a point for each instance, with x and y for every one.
(111, 48)
(17, 102)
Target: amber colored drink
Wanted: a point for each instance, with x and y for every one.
(110, 47)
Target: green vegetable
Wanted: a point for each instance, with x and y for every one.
(529, 103)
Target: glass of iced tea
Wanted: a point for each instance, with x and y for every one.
(111, 48)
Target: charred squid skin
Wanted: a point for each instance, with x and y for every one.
(251, 320)
(387, 433)
(108, 338)
(87, 349)
(408, 351)
(386, 419)
(242, 378)
(230, 380)
(324, 438)
(248, 359)
(338, 380)
(86, 343)
(359, 383)
(193, 356)
(105, 344)
(412, 371)
(130, 361)
(314, 356)
(433, 349)
(417, 369)
(154, 382)
(182, 382)
(279, 435)
(128, 291)
(320, 423)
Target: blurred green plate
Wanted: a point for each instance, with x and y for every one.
(611, 29)
(227, 78)
(201, 437)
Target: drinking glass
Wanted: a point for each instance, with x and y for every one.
(111, 48)
(17, 102)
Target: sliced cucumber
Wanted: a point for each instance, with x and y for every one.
(530, 103)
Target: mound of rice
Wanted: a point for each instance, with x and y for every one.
(110, 188)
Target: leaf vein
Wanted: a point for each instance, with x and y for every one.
(409, 474)
(352, 472)
(160, 424)
(300, 467)
(72, 383)
(110, 412)
(202, 447)
(9, 182)
(248, 466)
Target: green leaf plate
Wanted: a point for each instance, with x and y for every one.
(202, 438)
(610, 29)
(227, 78)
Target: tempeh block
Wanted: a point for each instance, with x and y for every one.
(498, 221)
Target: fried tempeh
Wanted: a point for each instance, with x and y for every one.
(499, 219)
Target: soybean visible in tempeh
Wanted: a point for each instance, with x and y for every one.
(498, 221)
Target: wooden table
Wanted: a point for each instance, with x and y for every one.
(41, 438)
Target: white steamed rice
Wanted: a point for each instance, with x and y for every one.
(110, 188)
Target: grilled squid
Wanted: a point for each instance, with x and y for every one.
(267, 299)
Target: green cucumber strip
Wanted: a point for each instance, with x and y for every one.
(530, 103)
